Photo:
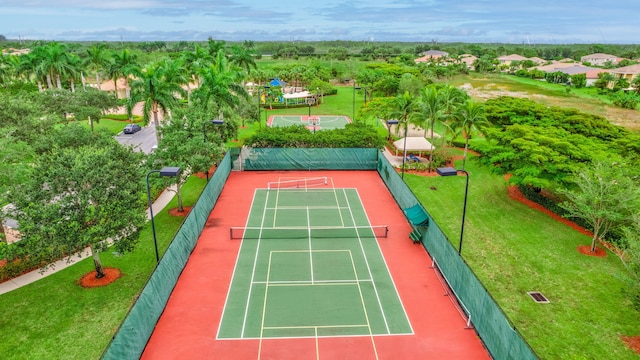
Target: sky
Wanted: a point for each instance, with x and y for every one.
(479, 21)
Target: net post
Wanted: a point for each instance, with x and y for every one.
(386, 231)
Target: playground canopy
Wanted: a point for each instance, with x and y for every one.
(414, 144)
(277, 82)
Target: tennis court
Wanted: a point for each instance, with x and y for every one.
(313, 122)
(310, 266)
(315, 271)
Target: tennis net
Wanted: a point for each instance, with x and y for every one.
(326, 232)
(297, 184)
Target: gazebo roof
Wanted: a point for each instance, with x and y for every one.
(414, 144)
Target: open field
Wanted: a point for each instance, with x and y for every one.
(487, 86)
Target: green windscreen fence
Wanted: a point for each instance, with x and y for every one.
(306, 159)
(134, 332)
(500, 338)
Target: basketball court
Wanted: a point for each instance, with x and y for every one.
(313, 122)
(309, 265)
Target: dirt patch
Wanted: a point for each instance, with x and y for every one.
(89, 279)
(176, 212)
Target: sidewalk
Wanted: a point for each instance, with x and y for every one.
(161, 202)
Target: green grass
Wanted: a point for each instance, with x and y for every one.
(55, 318)
(514, 249)
(112, 124)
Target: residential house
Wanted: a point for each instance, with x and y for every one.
(599, 59)
(508, 59)
(628, 72)
(592, 76)
(468, 60)
(538, 61)
(432, 55)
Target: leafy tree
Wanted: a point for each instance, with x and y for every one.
(635, 84)
(182, 145)
(81, 197)
(579, 80)
(605, 196)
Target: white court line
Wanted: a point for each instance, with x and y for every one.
(310, 247)
(264, 305)
(387, 267)
(364, 306)
(375, 289)
(235, 267)
(253, 271)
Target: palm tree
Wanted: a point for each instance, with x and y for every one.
(470, 117)
(432, 111)
(195, 60)
(156, 91)
(220, 85)
(97, 59)
(243, 58)
(124, 64)
(405, 109)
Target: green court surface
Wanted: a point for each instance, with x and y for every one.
(309, 266)
(319, 121)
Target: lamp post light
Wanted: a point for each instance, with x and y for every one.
(449, 171)
(389, 123)
(165, 171)
(353, 105)
(215, 122)
(404, 155)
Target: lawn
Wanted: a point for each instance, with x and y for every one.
(55, 318)
(514, 249)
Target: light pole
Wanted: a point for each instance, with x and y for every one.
(353, 105)
(389, 123)
(215, 122)
(166, 171)
(449, 171)
(404, 155)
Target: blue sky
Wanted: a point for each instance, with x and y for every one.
(506, 21)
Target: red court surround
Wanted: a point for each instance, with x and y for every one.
(187, 329)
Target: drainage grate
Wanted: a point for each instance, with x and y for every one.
(538, 297)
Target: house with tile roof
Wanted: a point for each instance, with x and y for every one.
(431, 55)
(508, 59)
(628, 72)
(599, 59)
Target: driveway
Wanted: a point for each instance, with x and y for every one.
(144, 140)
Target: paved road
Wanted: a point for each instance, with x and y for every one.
(144, 140)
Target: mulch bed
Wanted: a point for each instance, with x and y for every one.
(89, 279)
(175, 211)
(633, 342)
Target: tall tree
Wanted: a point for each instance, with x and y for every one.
(97, 59)
(182, 145)
(470, 117)
(606, 195)
(221, 85)
(154, 88)
(124, 64)
(242, 57)
(406, 109)
(97, 193)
